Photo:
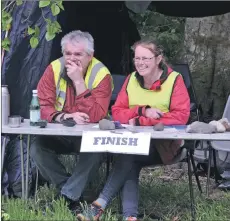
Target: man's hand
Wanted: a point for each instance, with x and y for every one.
(79, 117)
(75, 71)
(153, 113)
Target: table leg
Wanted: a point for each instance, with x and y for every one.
(3, 152)
(27, 166)
(209, 170)
(22, 167)
(192, 205)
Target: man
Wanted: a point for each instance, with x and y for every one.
(75, 86)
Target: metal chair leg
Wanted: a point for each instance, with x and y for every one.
(193, 212)
(215, 167)
(195, 171)
(36, 185)
(209, 170)
(3, 153)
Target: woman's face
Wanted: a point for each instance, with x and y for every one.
(145, 61)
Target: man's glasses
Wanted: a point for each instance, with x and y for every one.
(144, 59)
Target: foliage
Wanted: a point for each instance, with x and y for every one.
(6, 44)
(167, 199)
(52, 27)
(167, 30)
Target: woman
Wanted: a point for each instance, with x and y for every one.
(153, 94)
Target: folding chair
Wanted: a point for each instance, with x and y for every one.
(217, 146)
(187, 151)
(183, 69)
(118, 81)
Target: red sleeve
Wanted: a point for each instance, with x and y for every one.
(179, 108)
(47, 94)
(121, 111)
(95, 103)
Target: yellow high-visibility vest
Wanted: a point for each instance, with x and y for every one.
(94, 75)
(159, 99)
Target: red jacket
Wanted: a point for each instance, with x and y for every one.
(179, 106)
(94, 102)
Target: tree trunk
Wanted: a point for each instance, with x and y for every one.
(207, 51)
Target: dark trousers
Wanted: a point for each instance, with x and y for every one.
(45, 151)
(125, 175)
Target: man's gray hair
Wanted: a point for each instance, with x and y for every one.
(76, 37)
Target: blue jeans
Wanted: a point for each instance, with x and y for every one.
(45, 150)
(125, 175)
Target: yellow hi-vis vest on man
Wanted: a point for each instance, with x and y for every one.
(95, 73)
(159, 99)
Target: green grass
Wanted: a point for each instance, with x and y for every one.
(168, 199)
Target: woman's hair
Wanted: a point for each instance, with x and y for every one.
(153, 46)
(76, 37)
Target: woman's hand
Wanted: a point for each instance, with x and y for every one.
(132, 122)
(153, 113)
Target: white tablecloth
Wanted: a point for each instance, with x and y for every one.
(59, 129)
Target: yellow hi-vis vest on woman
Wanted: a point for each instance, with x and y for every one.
(159, 99)
(95, 73)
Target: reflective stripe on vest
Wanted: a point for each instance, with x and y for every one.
(95, 73)
(157, 99)
(59, 93)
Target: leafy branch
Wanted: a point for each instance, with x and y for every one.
(52, 27)
(167, 30)
(35, 34)
(6, 25)
(6, 44)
